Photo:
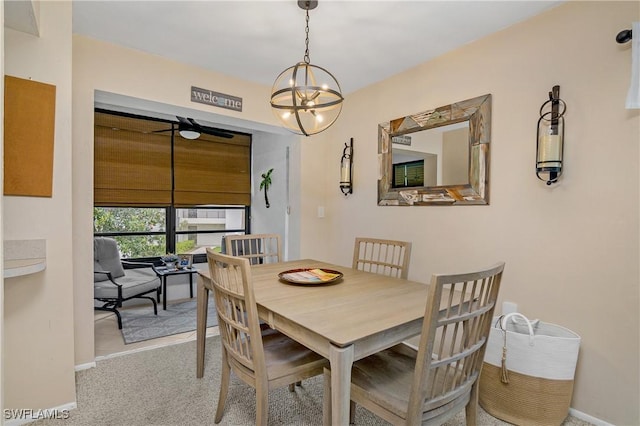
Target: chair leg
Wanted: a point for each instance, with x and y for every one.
(114, 310)
(471, 410)
(202, 302)
(224, 387)
(292, 386)
(262, 404)
(155, 305)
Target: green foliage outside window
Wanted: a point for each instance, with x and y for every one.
(133, 220)
(185, 246)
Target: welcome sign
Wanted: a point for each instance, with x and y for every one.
(209, 97)
(402, 140)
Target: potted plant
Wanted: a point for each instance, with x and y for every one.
(171, 260)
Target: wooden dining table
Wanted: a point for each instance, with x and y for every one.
(356, 316)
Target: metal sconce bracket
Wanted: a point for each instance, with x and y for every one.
(346, 169)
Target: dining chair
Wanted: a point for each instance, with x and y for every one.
(405, 386)
(258, 248)
(262, 359)
(386, 257)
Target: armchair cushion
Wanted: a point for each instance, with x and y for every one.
(136, 281)
(106, 257)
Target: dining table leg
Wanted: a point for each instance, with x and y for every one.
(341, 360)
(201, 325)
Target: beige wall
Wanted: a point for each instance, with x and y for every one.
(38, 364)
(571, 250)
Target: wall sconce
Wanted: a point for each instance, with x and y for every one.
(346, 167)
(550, 142)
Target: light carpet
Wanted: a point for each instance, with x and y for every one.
(159, 388)
(139, 324)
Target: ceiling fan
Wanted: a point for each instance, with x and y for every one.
(190, 129)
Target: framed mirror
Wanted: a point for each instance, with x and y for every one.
(436, 157)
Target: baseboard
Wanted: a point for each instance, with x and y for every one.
(24, 416)
(587, 418)
(86, 366)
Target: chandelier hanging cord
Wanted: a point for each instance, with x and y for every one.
(307, 60)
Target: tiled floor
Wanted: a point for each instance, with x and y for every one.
(109, 341)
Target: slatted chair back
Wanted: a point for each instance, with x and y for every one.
(453, 341)
(263, 359)
(237, 313)
(386, 257)
(258, 248)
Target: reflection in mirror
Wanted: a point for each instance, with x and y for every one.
(436, 157)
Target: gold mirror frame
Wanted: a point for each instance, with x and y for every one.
(477, 112)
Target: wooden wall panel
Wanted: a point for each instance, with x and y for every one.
(29, 130)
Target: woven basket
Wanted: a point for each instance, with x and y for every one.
(525, 400)
(528, 371)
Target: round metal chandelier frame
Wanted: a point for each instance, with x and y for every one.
(306, 98)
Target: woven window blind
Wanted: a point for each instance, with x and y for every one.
(133, 165)
(131, 168)
(212, 170)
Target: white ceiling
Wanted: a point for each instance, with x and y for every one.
(360, 42)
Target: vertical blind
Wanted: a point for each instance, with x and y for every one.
(133, 165)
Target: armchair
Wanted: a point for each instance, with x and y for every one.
(112, 284)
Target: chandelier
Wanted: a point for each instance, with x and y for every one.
(306, 98)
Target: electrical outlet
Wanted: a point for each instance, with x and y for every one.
(509, 307)
(320, 211)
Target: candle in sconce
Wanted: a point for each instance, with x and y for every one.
(550, 150)
(345, 170)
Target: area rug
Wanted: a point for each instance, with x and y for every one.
(139, 324)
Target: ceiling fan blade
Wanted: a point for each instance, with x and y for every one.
(185, 121)
(215, 132)
(210, 130)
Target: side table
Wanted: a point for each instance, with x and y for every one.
(163, 272)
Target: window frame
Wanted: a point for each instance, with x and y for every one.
(171, 232)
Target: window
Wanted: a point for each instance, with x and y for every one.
(408, 174)
(142, 233)
(155, 192)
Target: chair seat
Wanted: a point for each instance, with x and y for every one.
(285, 356)
(392, 389)
(136, 281)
